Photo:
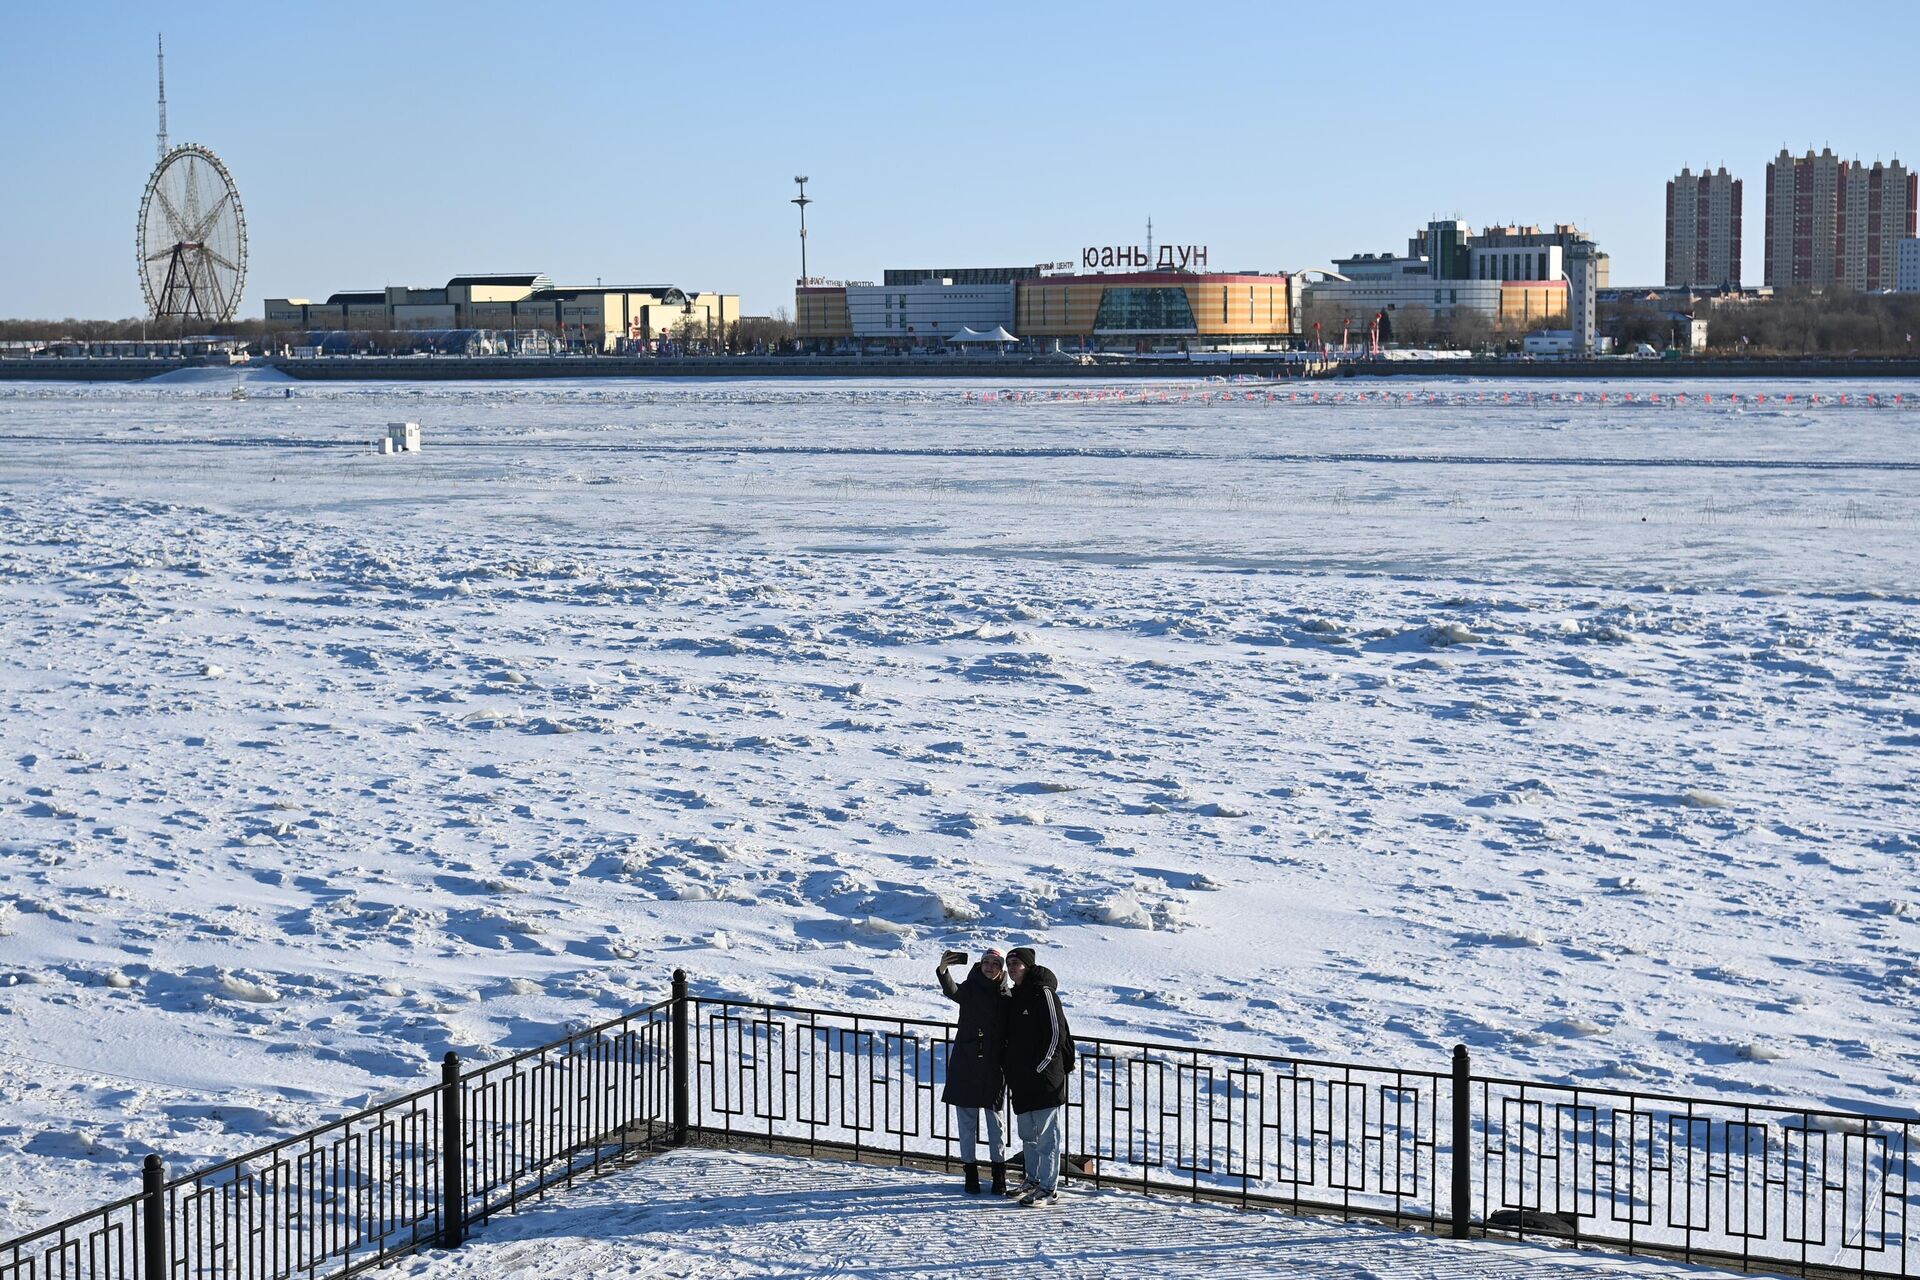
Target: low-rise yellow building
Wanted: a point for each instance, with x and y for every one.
(588, 317)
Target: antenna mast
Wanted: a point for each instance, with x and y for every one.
(162, 136)
(803, 202)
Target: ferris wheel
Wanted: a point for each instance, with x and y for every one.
(192, 238)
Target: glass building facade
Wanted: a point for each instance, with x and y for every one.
(1153, 309)
(1156, 309)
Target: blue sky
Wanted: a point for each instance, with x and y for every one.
(403, 142)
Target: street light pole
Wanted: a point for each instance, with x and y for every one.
(803, 202)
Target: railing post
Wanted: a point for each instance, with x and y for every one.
(153, 1218)
(1462, 1153)
(453, 1165)
(682, 1109)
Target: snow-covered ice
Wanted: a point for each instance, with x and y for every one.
(1578, 733)
(731, 1214)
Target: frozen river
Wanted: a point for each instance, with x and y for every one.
(1579, 732)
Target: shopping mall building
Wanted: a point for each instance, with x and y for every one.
(1155, 310)
(1128, 311)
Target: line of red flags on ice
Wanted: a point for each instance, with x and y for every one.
(1273, 395)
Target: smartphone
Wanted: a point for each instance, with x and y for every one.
(953, 958)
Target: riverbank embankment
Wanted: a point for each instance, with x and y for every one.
(984, 368)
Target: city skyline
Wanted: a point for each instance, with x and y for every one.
(403, 147)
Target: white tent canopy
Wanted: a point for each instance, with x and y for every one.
(997, 334)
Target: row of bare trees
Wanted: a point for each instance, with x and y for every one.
(1793, 322)
(750, 333)
(1458, 327)
(1798, 322)
(1836, 322)
(133, 329)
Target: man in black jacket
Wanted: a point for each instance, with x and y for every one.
(976, 1082)
(1039, 1055)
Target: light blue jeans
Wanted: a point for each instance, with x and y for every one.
(969, 1118)
(1040, 1145)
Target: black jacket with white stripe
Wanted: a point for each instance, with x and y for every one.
(1039, 1046)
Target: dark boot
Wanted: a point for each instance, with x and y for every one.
(999, 1179)
(973, 1179)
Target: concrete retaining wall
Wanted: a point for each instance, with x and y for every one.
(87, 369)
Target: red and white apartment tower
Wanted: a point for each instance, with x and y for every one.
(1834, 223)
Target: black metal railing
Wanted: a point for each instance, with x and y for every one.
(560, 1111)
(1741, 1183)
(1748, 1183)
(1755, 1185)
(362, 1189)
(1258, 1128)
(414, 1171)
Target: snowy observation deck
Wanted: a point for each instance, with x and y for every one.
(710, 1213)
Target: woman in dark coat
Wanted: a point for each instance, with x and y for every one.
(975, 1083)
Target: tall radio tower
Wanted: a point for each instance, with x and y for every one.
(163, 95)
(803, 202)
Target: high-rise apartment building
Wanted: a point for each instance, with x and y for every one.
(1877, 214)
(1907, 267)
(1833, 223)
(1703, 230)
